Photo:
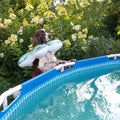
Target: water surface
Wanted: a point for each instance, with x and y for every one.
(95, 99)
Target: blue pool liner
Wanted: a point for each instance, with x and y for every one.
(35, 90)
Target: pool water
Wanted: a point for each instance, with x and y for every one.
(95, 99)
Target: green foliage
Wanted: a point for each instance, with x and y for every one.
(99, 46)
(4, 85)
(113, 18)
(84, 26)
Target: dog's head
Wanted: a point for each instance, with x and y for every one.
(41, 37)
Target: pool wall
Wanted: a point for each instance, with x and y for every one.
(35, 90)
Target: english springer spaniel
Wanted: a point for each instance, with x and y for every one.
(41, 37)
(47, 62)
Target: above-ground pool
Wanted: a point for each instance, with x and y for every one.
(90, 90)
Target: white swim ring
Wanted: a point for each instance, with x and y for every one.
(54, 45)
(39, 51)
(28, 58)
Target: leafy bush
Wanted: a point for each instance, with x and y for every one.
(77, 23)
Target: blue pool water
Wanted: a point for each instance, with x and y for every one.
(95, 99)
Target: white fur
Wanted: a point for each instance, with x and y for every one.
(46, 35)
(47, 62)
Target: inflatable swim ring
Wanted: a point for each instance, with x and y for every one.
(39, 51)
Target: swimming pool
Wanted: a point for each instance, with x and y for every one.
(37, 95)
(96, 99)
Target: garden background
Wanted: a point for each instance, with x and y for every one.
(87, 28)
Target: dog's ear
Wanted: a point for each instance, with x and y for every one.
(35, 40)
(39, 37)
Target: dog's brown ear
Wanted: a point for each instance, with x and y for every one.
(35, 40)
(39, 37)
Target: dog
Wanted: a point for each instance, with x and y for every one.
(47, 62)
(41, 37)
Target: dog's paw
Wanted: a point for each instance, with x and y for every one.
(61, 62)
(73, 60)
